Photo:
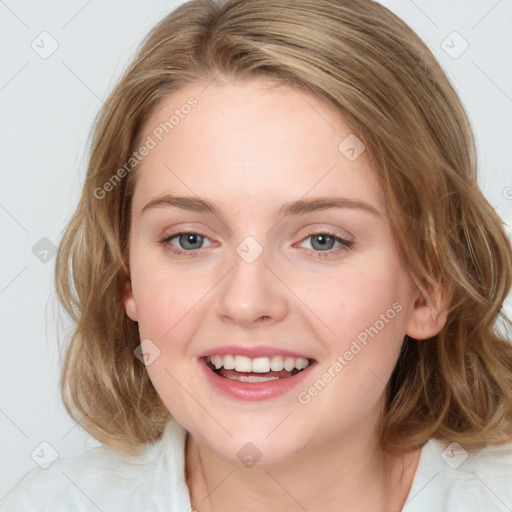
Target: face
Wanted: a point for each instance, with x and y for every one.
(256, 275)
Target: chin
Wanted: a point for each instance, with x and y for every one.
(255, 446)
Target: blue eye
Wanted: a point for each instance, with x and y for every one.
(323, 243)
(190, 242)
(190, 239)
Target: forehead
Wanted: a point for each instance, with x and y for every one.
(251, 140)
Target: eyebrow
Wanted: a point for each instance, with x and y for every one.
(299, 207)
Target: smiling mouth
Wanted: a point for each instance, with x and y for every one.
(261, 369)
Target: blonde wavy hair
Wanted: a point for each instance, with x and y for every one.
(362, 59)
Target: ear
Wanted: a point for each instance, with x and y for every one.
(129, 302)
(428, 317)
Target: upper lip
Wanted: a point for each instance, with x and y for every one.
(252, 351)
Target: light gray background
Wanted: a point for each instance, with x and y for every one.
(48, 106)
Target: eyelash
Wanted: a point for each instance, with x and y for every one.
(345, 244)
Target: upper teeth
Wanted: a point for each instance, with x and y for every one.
(258, 364)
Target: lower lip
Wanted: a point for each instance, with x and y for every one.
(253, 390)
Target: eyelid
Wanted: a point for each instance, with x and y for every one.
(319, 230)
(166, 238)
(181, 253)
(182, 228)
(346, 244)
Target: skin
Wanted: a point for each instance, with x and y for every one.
(250, 147)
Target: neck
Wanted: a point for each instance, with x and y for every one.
(348, 475)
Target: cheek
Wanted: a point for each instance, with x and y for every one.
(365, 313)
(359, 300)
(164, 304)
(156, 307)
(164, 296)
(366, 317)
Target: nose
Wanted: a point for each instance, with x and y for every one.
(252, 294)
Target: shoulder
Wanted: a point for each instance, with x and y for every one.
(104, 479)
(449, 478)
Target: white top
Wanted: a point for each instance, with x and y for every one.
(446, 480)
